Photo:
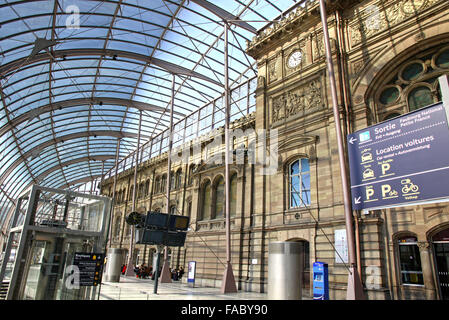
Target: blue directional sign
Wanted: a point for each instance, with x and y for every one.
(402, 161)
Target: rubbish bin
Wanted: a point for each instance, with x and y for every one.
(113, 265)
(285, 269)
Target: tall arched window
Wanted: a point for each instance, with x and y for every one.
(157, 185)
(219, 197)
(299, 183)
(163, 183)
(172, 180)
(206, 201)
(117, 226)
(233, 196)
(147, 188)
(178, 179)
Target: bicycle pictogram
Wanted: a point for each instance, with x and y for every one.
(409, 186)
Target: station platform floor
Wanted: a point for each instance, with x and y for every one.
(130, 288)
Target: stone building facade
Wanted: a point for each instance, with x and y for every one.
(388, 55)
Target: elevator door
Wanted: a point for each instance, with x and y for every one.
(442, 261)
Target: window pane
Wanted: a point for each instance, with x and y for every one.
(443, 60)
(419, 97)
(305, 182)
(412, 71)
(294, 168)
(305, 165)
(410, 261)
(295, 200)
(389, 95)
(295, 184)
(305, 198)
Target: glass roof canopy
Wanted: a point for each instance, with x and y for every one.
(75, 76)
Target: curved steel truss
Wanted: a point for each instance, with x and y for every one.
(75, 76)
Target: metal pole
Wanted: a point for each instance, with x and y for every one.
(130, 267)
(355, 289)
(113, 192)
(156, 271)
(165, 274)
(228, 282)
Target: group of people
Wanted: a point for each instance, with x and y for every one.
(176, 274)
(145, 272)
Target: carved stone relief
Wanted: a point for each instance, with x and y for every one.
(299, 100)
(318, 47)
(272, 70)
(375, 19)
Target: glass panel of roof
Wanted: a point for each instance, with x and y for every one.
(80, 44)
(128, 46)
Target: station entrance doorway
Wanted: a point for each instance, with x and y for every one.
(441, 253)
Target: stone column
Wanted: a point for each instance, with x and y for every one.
(427, 270)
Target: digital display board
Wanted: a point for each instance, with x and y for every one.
(402, 161)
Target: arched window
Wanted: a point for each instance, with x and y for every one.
(172, 180)
(299, 183)
(157, 185)
(173, 209)
(410, 261)
(219, 197)
(178, 178)
(206, 201)
(147, 188)
(141, 190)
(189, 209)
(163, 183)
(190, 177)
(130, 195)
(233, 196)
(117, 226)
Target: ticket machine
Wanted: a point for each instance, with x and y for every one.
(320, 281)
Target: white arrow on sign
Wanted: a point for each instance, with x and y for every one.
(351, 141)
(357, 200)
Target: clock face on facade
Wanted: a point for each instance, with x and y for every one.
(294, 59)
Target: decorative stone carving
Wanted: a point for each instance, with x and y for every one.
(272, 72)
(261, 82)
(376, 19)
(318, 46)
(292, 102)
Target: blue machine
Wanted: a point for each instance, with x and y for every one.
(320, 281)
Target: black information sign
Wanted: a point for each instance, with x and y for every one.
(401, 161)
(90, 267)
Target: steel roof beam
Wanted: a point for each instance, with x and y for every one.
(225, 15)
(68, 137)
(168, 66)
(73, 161)
(78, 102)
